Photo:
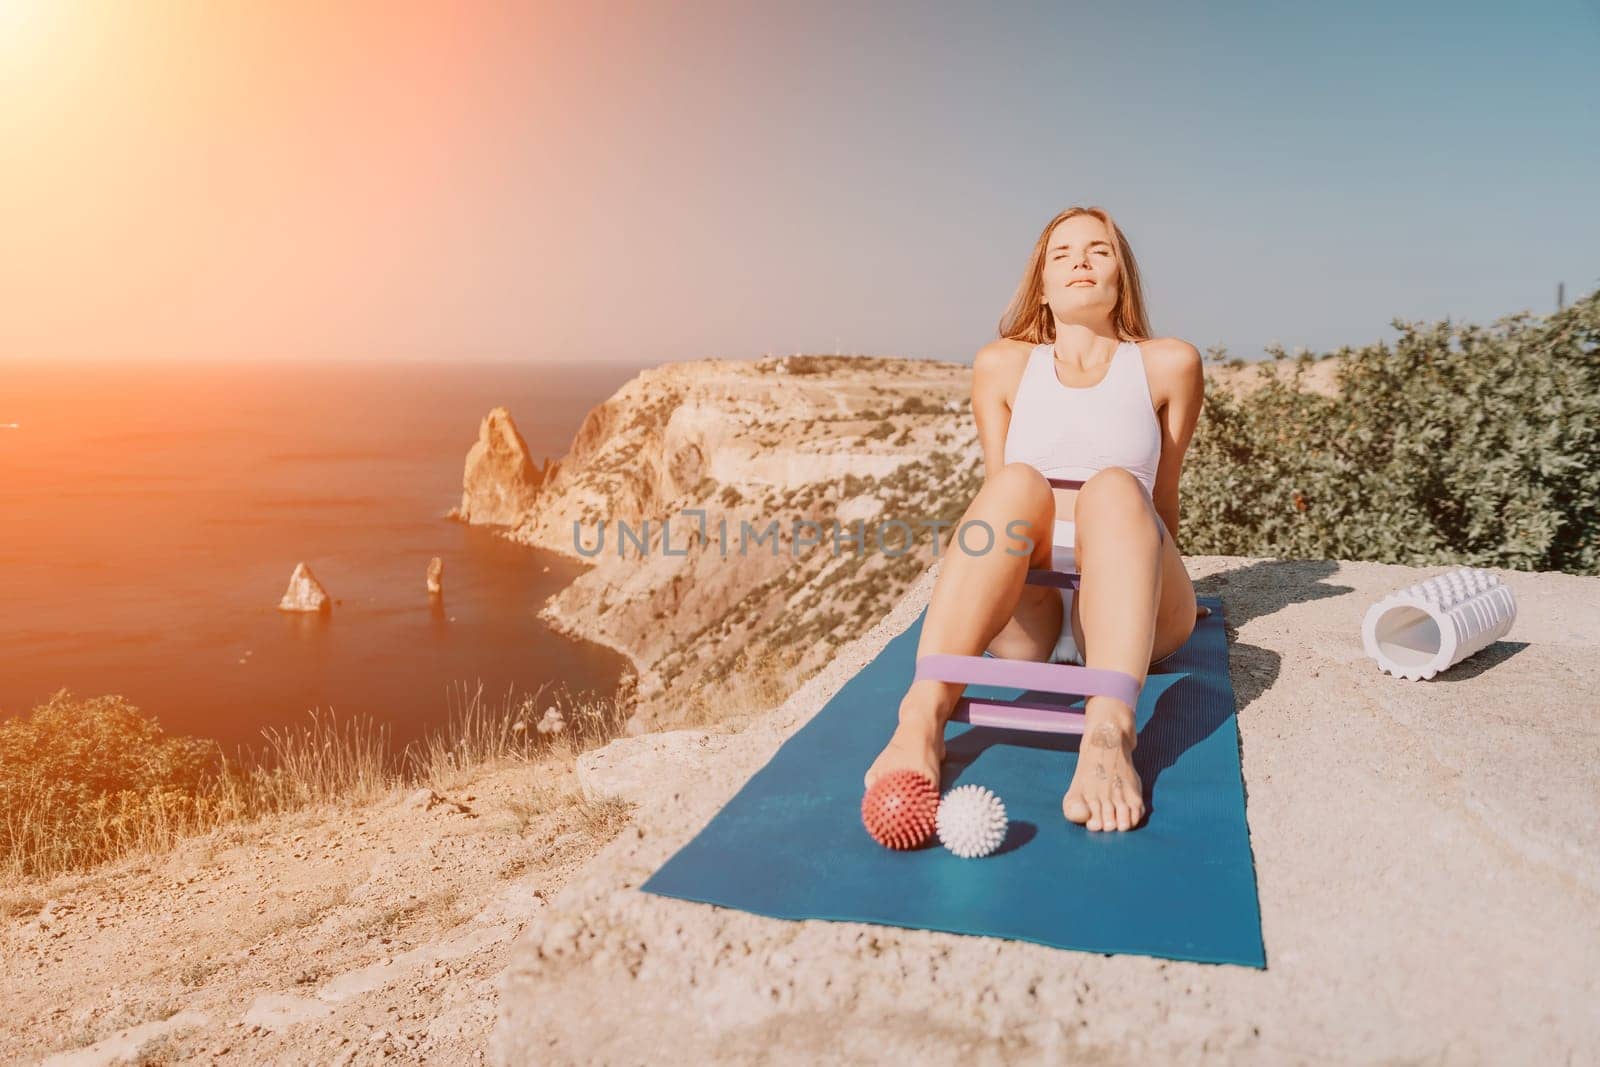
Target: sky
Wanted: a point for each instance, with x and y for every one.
(639, 183)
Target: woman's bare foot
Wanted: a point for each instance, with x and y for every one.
(1105, 793)
(917, 744)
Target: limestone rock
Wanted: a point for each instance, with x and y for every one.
(281, 1011)
(305, 593)
(144, 1043)
(862, 509)
(500, 482)
(435, 575)
(50, 915)
(730, 455)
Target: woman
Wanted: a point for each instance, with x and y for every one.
(1073, 389)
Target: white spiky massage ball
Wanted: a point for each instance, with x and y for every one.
(971, 822)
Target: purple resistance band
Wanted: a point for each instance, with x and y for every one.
(1026, 674)
(1038, 716)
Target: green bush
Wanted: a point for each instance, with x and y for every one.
(919, 405)
(1458, 445)
(72, 750)
(88, 780)
(85, 779)
(879, 431)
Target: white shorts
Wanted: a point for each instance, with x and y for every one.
(1062, 556)
(1066, 650)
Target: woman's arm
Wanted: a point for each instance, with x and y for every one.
(1180, 377)
(993, 370)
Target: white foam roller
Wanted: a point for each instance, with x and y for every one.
(1420, 630)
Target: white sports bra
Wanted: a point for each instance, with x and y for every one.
(1073, 433)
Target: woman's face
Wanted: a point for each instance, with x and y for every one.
(1080, 279)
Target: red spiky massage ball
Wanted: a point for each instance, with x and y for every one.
(901, 810)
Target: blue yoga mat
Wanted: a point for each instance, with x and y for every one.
(790, 843)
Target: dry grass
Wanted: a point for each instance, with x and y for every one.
(477, 735)
(541, 795)
(392, 920)
(318, 764)
(755, 684)
(64, 813)
(525, 810)
(603, 818)
(36, 843)
(18, 903)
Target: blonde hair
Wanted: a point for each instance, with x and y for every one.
(1029, 319)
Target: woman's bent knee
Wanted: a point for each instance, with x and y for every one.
(1112, 489)
(1109, 481)
(1023, 483)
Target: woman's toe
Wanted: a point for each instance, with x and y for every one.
(1075, 809)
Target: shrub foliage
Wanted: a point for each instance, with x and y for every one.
(83, 780)
(1461, 445)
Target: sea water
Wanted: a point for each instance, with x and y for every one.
(151, 515)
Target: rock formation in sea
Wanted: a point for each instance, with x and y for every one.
(305, 593)
(435, 575)
(500, 482)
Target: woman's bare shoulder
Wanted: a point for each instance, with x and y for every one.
(1004, 356)
(1173, 349)
(1173, 367)
(1007, 344)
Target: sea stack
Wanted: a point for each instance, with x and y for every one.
(435, 575)
(500, 481)
(305, 593)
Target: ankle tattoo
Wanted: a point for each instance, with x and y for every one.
(1105, 736)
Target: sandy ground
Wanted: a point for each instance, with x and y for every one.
(332, 936)
(1427, 858)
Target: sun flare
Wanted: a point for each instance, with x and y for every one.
(26, 28)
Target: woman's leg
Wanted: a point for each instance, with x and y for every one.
(1120, 546)
(980, 600)
(1179, 612)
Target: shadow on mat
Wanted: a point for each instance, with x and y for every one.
(1169, 734)
(1164, 737)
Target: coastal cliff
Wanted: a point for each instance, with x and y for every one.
(750, 596)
